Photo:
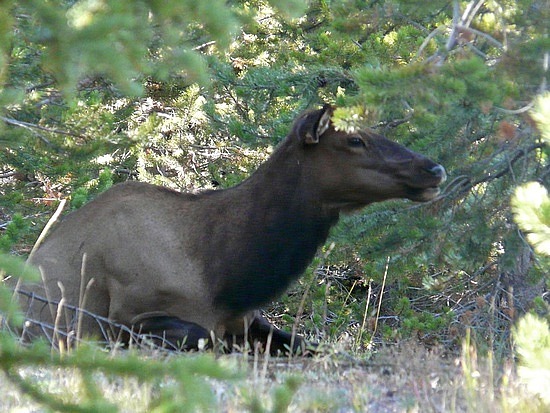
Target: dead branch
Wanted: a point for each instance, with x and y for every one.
(27, 125)
(488, 37)
(7, 174)
(46, 229)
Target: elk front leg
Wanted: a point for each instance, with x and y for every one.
(256, 329)
(173, 333)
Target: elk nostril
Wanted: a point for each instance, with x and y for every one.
(438, 171)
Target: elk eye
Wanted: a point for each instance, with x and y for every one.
(355, 142)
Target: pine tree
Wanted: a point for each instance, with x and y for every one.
(196, 97)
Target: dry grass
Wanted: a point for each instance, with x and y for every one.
(346, 377)
(404, 378)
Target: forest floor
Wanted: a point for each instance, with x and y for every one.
(402, 378)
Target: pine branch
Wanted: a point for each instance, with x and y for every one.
(204, 45)
(451, 41)
(460, 24)
(463, 184)
(37, 394)
(520, 153)
(7, 174)
(519, 111)
(426, 42)
(39, 86)
(488, 37)
(31, 126)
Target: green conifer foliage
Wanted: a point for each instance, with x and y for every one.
(195, 94)
(460, 97)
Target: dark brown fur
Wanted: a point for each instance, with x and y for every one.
(192, 266)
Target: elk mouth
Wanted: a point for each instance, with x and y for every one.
(431, 190)
(422, 194)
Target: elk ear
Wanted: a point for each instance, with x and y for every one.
(313, 124)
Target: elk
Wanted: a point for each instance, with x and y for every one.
(193, 266)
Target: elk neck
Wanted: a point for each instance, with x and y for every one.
(283, 224)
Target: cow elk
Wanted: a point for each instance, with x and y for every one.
(193, 267)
